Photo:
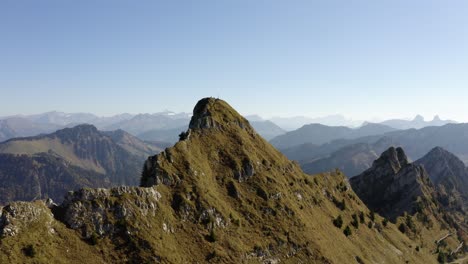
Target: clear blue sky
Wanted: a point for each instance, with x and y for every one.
(362, 59)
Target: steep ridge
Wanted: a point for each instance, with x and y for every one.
(450, 177)
(48, 166)
(392, 184)
(133, 144)
(222, 194)
(403, 192)
(448, 173)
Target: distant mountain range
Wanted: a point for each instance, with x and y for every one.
(22, 127)
(357, 153)
(146, 122)
(319, 134)
(48, 166)
(417, 122)
(159, 127)
(352, 160)
(293, 123)
(31, 125)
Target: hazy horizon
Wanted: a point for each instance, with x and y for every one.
(348, 118)
(365, 60)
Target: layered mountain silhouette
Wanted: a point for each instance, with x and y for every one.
(318, 134)
(267, 129)
(142, 123)
(418, 122)
(416, 142)
(296, 122)
(22, 127)
(170, 136)
(221, 194)
(351, 160)
(48, 166)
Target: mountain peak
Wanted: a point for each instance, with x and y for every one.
(419, 118)
(77, 131)
(445, 168)
(381, 186)
(215, 113)
(438, 151)
(441, 154)
(436, 118)
(395, 157)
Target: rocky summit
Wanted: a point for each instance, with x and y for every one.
(450, 177)
(448, 172)
(392, 184)
(221, 194)
(404, 192)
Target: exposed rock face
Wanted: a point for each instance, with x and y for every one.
(446, 169)
(96, 211)
(392, 184)
(450, 175)
(16, 216)
(210, 117)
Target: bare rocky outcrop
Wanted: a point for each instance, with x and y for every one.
(96, 211)
(449, 174)
(20, 215)
(246, 171)
(392, 185)
(442, 165)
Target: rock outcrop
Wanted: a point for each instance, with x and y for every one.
(17, 216)
(392, 185)
(450, 177)
(97, 211)
(447, 172)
